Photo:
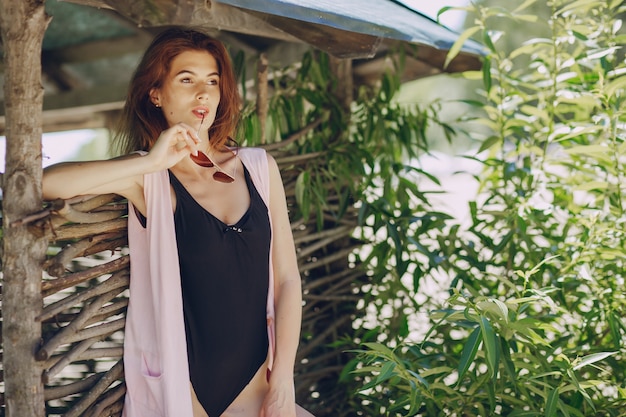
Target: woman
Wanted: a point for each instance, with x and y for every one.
(215, 299)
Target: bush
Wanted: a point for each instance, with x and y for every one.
(534, 321)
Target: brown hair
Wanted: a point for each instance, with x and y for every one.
(142, 122)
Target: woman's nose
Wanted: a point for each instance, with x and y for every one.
(203, 92)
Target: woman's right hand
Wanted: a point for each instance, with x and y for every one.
(172, 145)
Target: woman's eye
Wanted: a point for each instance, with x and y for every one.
(185, 80)
(212, 82)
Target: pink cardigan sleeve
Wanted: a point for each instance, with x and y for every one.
(155, 352)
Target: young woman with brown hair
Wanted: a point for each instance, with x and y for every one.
(214, 315)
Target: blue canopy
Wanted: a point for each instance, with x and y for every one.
(378, 19)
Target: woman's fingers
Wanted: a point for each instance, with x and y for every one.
(189, 137)
(174, 144)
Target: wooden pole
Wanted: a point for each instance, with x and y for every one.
(22, 26)
(262, 99)
(342, 68)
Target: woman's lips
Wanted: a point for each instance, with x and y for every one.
(201, 112)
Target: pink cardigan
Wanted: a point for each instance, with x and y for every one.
(155, 351)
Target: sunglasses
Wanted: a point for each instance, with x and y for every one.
(203, 160)
(219, 175)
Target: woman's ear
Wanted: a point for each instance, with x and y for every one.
(155, 97)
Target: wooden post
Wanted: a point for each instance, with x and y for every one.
(22, 24)
(342, 68)
(262, 99)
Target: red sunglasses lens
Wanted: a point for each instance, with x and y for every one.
(222, 177)
(202, 160)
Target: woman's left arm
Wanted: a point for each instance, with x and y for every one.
(280, 401)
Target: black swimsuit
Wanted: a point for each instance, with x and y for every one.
(225, 273)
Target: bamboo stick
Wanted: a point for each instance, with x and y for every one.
(56, 265)
(93, 202)
(79, 231)
(343, 231)
(299, 158)
(350, 275)
(81, 352)
(66, 359)
(321, 244)
(60, 391)
(318, 360)
(99, 353)
(103, 330)
(73, 327)
(117, 280)
(80, 204)
(262, 102)
(114, 410)
(340, 298)
(110, 399)
(56, 285)
(320, 337)
(72, 214)
(338, 285)
(111, 310)
(91, 397)
(109, 245)
(296, 135)
(328, 259)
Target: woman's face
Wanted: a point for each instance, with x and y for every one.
(191, 90)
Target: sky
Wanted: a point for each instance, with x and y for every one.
(52, 152)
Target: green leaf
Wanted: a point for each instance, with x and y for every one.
(380, 349)
(458, 44)
(615, 324)
(489, 345)
(579, 5)
(386, 372)
(469, 353)
(551, 403)
(488, 143)
(302, 194)
(592, 185)
(524, 5)
(597, 151)
(487, 74)
(614, 86)
(497, 307)
(593, 358)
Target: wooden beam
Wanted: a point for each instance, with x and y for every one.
(101, 49)
(154, 12)
(337, 42)
(78, 109)
(421, 61)
(207, 14)
(22, 25)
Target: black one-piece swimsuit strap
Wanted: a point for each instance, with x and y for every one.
(225, 276)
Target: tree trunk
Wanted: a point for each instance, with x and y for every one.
(23, 24)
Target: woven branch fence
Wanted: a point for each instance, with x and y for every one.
(85, 298)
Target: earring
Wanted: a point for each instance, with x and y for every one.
(157, 105)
